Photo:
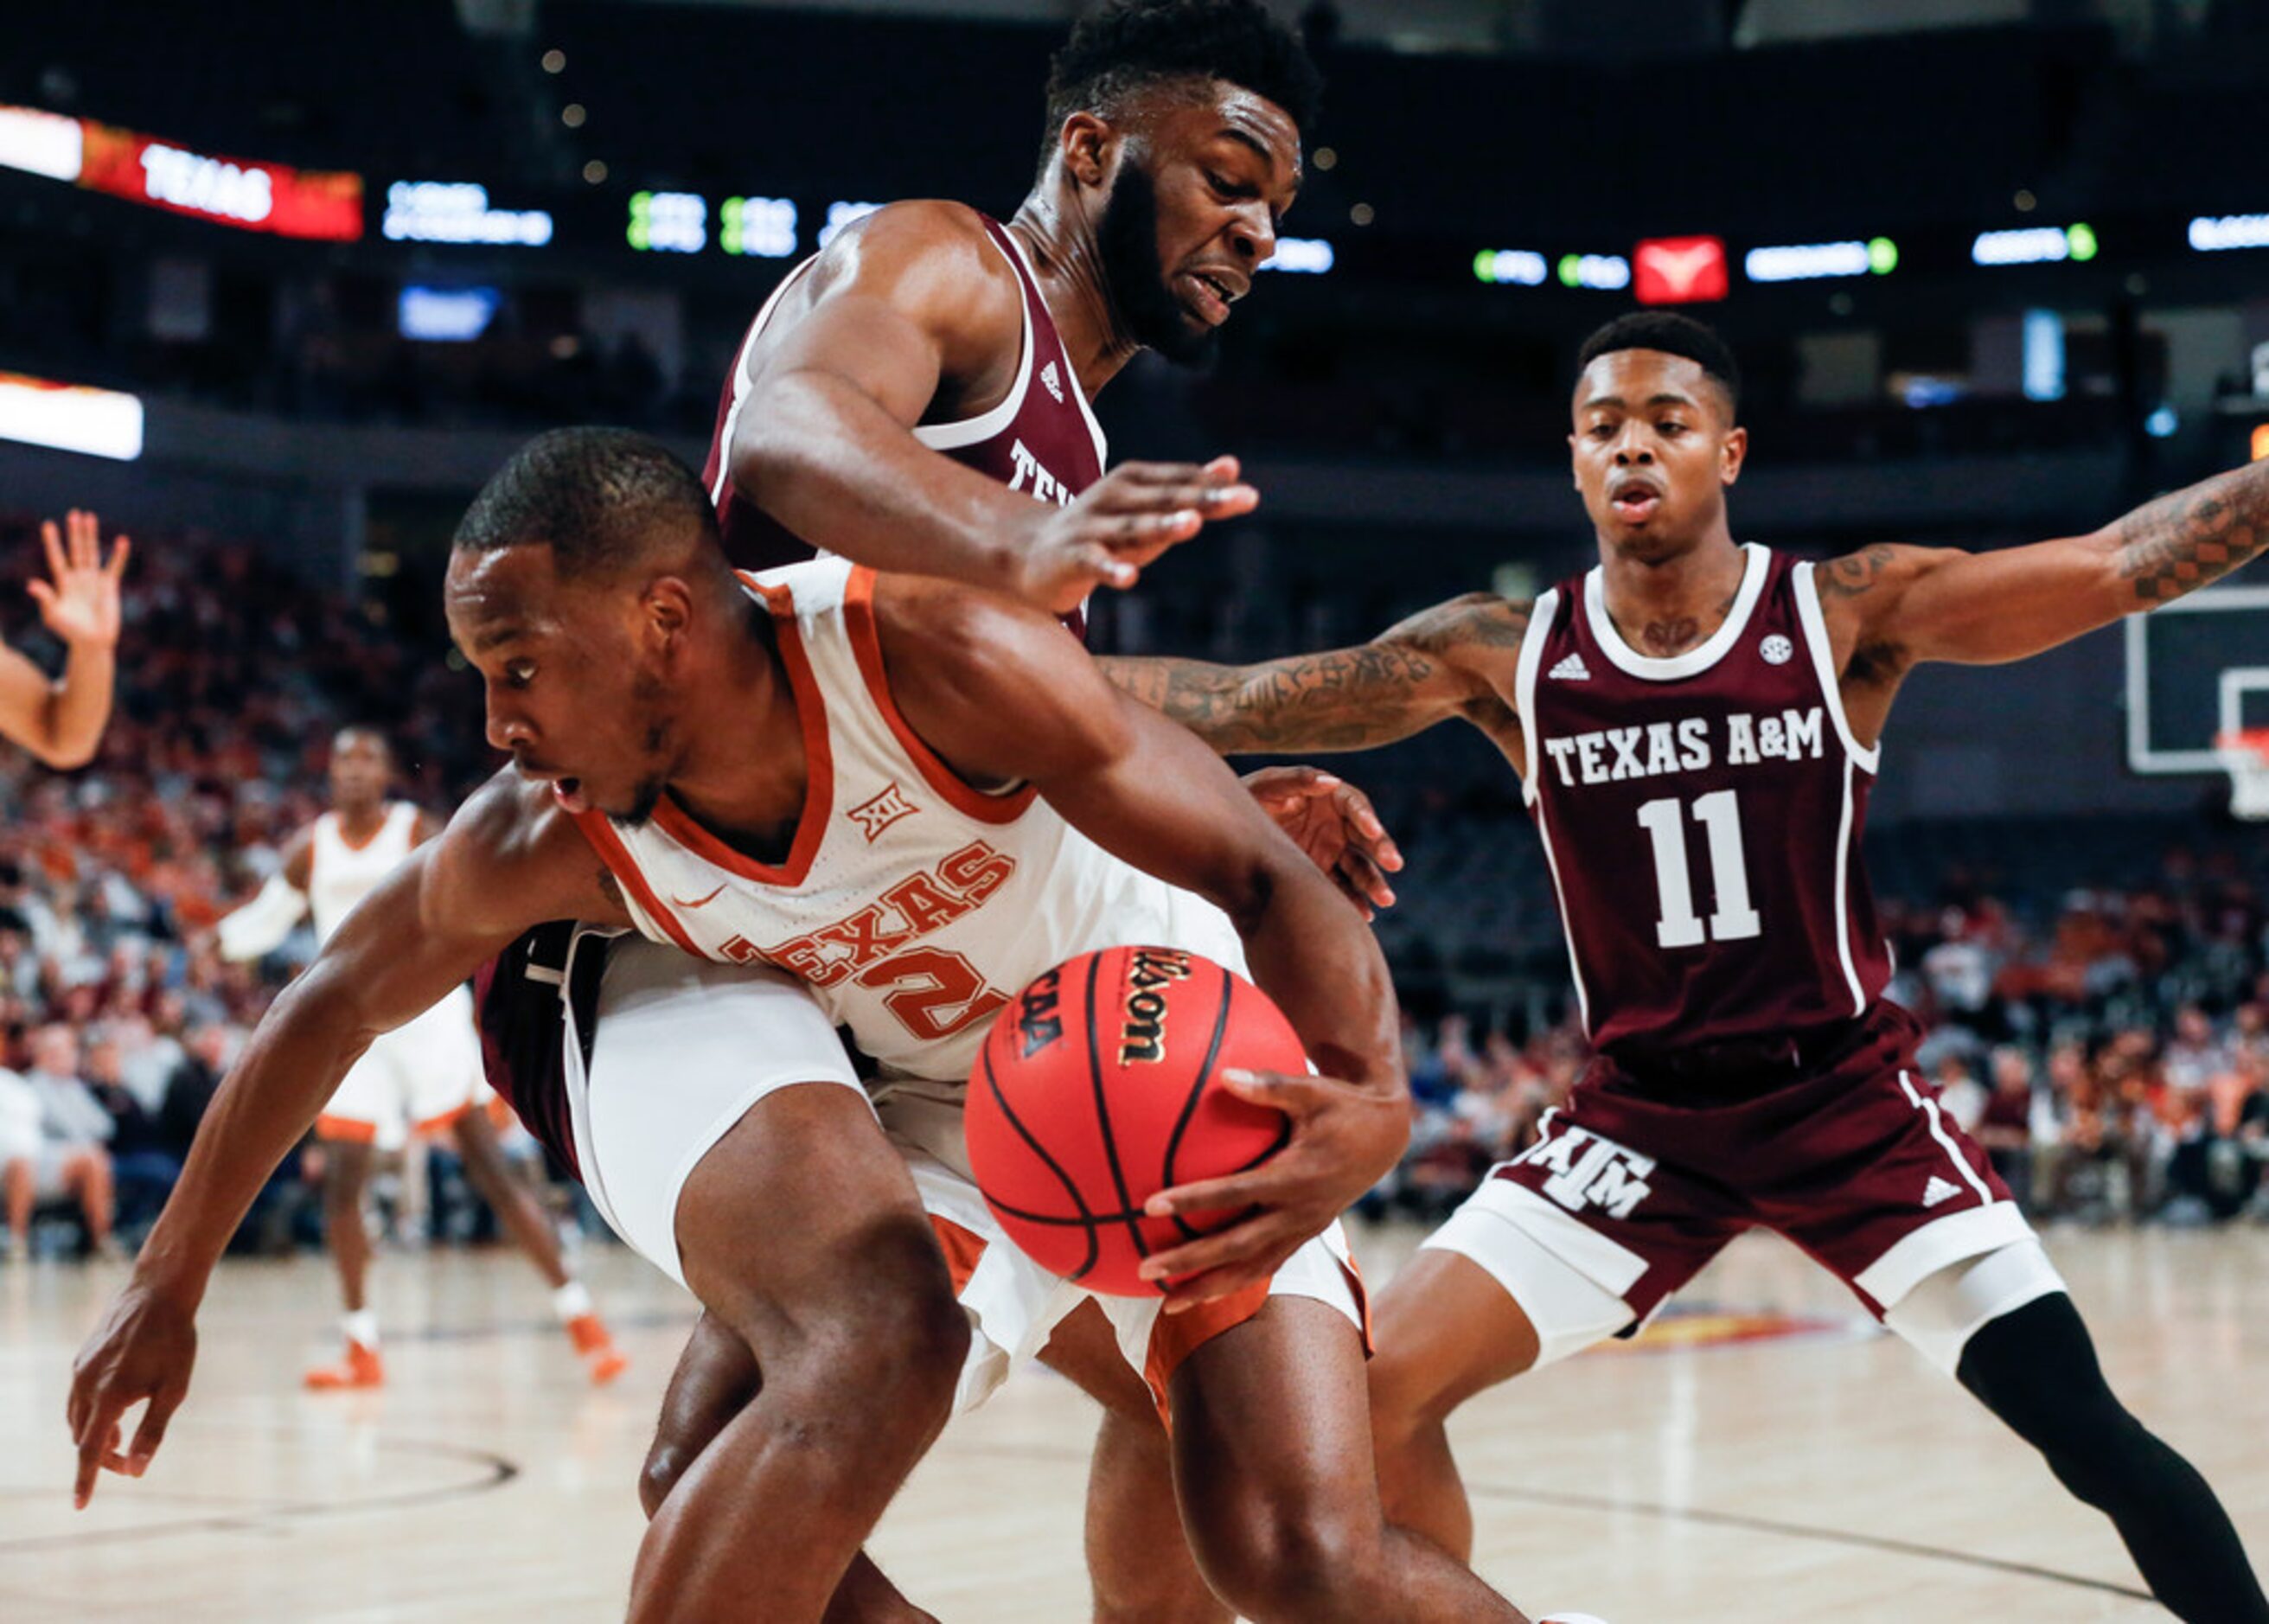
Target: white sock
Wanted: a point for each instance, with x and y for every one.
(571, 1302)
(362, 1327)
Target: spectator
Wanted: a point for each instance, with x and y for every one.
(71, 1157)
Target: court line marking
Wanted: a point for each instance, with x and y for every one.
(1698, 1514)
(500, 1471)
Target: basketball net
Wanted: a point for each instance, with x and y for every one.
(2245, 754)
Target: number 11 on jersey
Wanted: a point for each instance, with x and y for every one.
(1680, 926)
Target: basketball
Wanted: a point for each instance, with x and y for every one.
(1098, 1086)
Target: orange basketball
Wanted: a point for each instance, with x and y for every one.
(1098, 1086)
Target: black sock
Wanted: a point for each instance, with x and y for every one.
(2036, 1369)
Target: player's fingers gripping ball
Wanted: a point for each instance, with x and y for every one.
(1099, 1085)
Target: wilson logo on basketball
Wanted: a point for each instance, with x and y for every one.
(877, 815)
(1142, 1036)
(1039, 1018)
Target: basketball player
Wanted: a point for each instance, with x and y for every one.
(911, 795)
(1695, 726)
(424, 1077)
(60, 719)
(916, 398)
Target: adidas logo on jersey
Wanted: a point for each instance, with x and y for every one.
(1939, 1191)
(1054, 383)
(1572, 669)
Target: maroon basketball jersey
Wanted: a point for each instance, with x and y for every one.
(1042, 438)
(1702, 817)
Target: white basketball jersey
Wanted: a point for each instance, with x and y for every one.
(913, 905)
(342, 874)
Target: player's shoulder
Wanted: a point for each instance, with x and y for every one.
(507, 848)
(922, 245)
(959, 652)
(1875, 576)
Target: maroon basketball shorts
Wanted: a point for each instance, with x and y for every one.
(1629, 1192)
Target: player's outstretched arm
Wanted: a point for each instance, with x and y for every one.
(1003, 695)
(1455, 659)
(507, 862)
(60, 721)
(848, 366)
(1914, 604)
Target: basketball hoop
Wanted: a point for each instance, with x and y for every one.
(2245, 754)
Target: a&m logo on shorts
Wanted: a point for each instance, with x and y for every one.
(1588, 1171)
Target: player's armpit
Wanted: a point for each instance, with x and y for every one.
(1455, 659)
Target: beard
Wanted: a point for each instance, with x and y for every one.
(1126, 237)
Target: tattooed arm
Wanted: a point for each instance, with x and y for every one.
(1454, 659)
(1896, 606)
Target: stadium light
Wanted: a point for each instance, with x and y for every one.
(761, 226)
(1520, 267)
(1681, 270)
(668, 222)
(100, 423)
(447, 315)
(458, 211)
(2034, 245)
(1309, 256)
(1602, 273)
(40, 144)
(1815, 261)
(2217, 234)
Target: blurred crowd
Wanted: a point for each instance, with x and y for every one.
(117, 1015)
(2110, 1047)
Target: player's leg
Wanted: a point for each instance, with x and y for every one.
(21, 1178)
(718, 1125)
(1445, 1330)
(346, 1180)
(801, 1233)
(2005, 1327)
(86, 1175)
(1531, 1269)
(531, 1229)
(716, 1378)
(1272, 1467)
(1138, 1560)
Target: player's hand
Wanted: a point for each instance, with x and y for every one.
(1118, 525)
(1346, 1137)
(1333, 822)
(143, 1349)
(80, 602)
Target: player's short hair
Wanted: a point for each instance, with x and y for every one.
(1672, 334)
(1130, 45)
(602, 499)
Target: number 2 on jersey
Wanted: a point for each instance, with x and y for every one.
(1719, 813)
(938, 993)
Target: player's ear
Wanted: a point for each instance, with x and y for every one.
(1089, 148)
(1733, 452)
(1574, 478)
(665, 610)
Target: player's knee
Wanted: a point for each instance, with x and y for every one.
(1297, 1557)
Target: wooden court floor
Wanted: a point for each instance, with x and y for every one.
(1769, 1462)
